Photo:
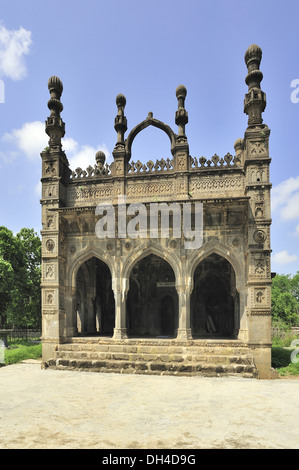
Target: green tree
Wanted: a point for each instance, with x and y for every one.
(6, 280)
(285, 299)
(20, 271)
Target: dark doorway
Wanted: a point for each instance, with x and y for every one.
(168, 320)
(95, 299)
(214, 300)
(152, 302)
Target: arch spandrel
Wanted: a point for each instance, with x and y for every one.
(214, 247)
(149, 121)
(145, 250)
(81, 258)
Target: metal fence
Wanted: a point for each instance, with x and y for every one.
(13, 334)
(294, 330)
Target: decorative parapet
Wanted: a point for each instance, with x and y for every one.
(215, 162)
(150, 167)
(160, 166)
(92, 172)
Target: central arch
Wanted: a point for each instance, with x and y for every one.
(149, 121)
(215, 299)
(152, 301)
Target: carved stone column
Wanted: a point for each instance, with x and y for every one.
(184, 330)
(120, 290)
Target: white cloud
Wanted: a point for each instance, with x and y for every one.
(297, 230)
(281, 194)
(69, 144)
(14, 45)
(38, 189)
(30, 139)
(283, 257)
(290, 211)
(84, 155)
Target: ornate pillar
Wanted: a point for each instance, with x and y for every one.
(120, 288)
(184, 330)
(256, 165)
(55, 175)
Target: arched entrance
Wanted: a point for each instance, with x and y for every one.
(152, 301)
(95, 299)
(214, 300)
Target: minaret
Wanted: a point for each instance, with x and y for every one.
(55, 177)
(55, 127)
(255, 99)
(120, 125)
(181, 115)
(181, 148)
(257, 189)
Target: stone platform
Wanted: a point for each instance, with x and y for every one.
(206, 357)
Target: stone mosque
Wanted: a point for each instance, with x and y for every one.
(136, 303)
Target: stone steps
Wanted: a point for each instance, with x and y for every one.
(155, 368)
(152, 357)
(155, 357)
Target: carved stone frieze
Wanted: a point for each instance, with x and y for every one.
(260, 296)
(259, 266)
(49, 272)
(206, 185)
(88, 195)
(49, 299)
(258, 149)
(150, 188)
(50, 246)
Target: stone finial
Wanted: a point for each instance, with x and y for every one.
(238, 145)
(181, 115)
(120, 123)
(100, 157)
(253, 57)
(55, 127)
(255, 99)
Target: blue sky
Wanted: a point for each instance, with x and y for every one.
(100, 48)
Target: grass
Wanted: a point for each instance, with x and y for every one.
(281, 361)
(21, 350)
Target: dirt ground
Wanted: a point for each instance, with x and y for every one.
(50, 409)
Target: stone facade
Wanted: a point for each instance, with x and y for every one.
(154, 288)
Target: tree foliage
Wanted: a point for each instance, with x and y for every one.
(285, 299)
(20, 273)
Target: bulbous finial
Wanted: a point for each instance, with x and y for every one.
(121, 101)
(100, 157)
(55, 84)
(239, 144)
(253, 54)
(55, 88)
(255, 99)
(55, 127)
(181, 92)
(120, 123)
(181, 115)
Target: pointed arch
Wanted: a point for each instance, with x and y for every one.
(152, 300)
(147, 249)
(149, 121)
(218, 248)
(84, 256)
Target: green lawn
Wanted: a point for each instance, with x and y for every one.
(20, 350)
(281, 361)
